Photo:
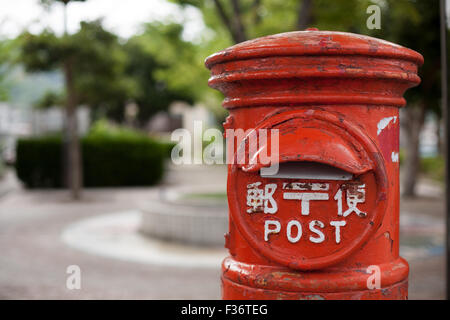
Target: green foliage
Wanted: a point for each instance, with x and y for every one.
(50, 99)
(158, 67)
(99, 65)
(117, 156)
(415, 24)
(6, 49)
(122, 161)
(105, 129)
(43, 52)
(341, 15)
(402, 156)
(97, 58)
(166, 68)
(153, 69)
(433, 167)
(220, 196)
(112, 156)
(262, 18)
(2, 168)
(265, 17)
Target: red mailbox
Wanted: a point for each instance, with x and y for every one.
(325, 225)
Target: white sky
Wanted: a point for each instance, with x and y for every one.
(123, 17)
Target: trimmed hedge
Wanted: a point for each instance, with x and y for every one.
(108, 161)
(39, 162)
(122, 161)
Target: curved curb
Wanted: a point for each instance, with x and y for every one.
(116, 236)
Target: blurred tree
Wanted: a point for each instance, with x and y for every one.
(100, 62)
(6, 48)
(3, 91)
(247, 19)
(165, 67)
(49, 3)
(415, 24)
(93, 63)
(50, 99)
(230, 22)
(72, 150)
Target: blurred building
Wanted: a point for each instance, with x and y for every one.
(429, 139)
(189, 114)
(180, 115)
(18, 122)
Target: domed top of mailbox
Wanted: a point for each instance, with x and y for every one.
(314, 68)
(314, 42)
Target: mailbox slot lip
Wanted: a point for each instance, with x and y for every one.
(381, 179)
(309, 170)
(361, 168)
(335, 147)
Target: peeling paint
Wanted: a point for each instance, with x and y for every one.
(395, 156)
(383, 123)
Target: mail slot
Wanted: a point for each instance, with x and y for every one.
(323, 222)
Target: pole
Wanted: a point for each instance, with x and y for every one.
(446, 115)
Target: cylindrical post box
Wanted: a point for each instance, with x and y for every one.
(320, 220)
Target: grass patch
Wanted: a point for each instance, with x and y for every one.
(433, 167)
(206, 195)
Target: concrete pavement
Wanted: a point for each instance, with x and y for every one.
(34, 259)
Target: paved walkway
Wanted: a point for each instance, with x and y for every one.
(34, 257)
(422, 238)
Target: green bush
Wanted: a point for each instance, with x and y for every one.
(110, 158)
(39, 162)
(2, 168)
(122, 161)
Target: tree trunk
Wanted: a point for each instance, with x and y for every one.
(414, 120)
(305, 16)
(234, 24)
(255, 8)
(73, 144)
(440, 141)
(237, 21)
